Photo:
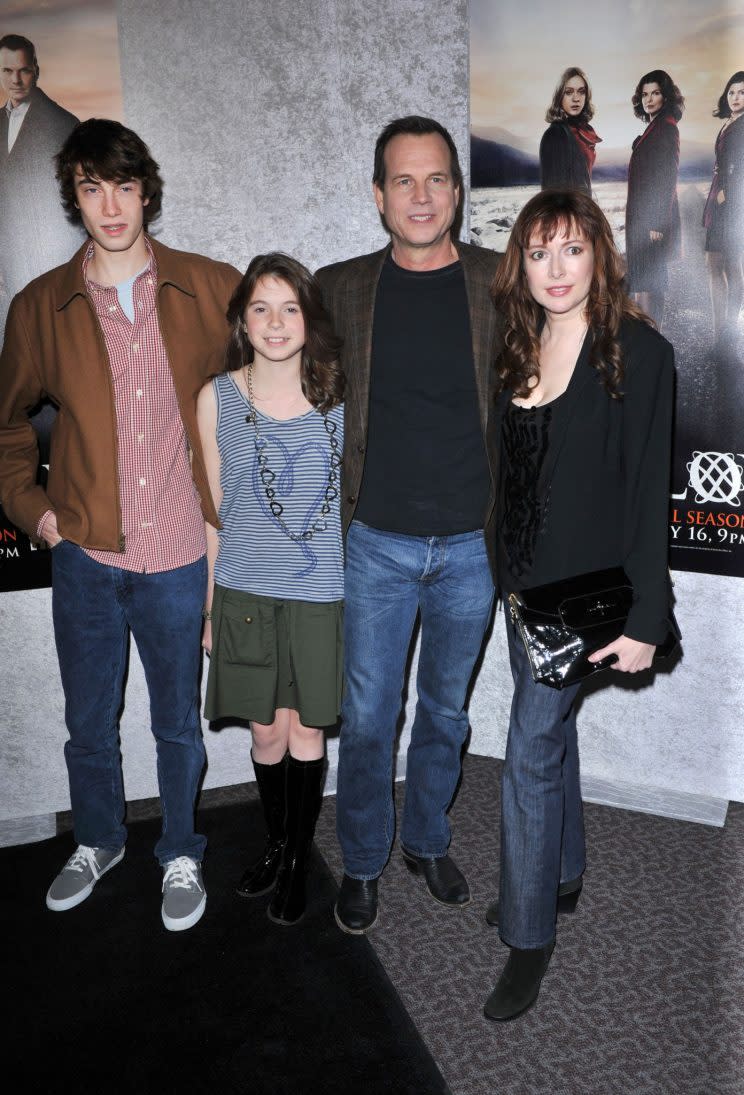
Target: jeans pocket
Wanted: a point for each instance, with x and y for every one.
(247, 632)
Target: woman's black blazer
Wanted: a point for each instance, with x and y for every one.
(731, 178)
(605, 479)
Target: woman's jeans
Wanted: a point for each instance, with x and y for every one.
(94, 608)
(542, 821)
(390, 578)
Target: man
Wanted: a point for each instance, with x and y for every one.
(420, 340)
(35, 234)
(120, 338)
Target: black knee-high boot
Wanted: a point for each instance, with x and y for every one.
(260, 875)
(304, 797)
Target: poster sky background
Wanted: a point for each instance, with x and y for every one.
(516, 60)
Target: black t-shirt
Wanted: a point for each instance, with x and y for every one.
(425, 472)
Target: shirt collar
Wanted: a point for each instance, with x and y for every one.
(94, 287)
(17, 111)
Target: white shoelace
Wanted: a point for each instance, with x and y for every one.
(181, 874)
(84, 857)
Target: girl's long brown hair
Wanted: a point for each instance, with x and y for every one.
(320, 371)
(550, 213)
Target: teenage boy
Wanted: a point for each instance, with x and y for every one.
(121, 339)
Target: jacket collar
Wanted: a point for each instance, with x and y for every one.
(169, 264)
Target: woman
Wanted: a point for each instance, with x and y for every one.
(724, 213)
(272, 432)
(652, 225)
(567, 147)
(579, 444)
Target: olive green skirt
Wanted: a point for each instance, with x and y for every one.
(269, 653)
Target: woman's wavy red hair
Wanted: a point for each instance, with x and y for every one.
(546, 215)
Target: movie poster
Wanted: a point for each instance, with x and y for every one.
(59, 64)
(643, 106)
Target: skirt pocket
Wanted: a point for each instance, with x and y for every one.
(242, 679)
(247, 631)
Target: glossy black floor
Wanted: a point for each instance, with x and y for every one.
(105, 1000)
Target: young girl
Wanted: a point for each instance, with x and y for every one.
(272, 432)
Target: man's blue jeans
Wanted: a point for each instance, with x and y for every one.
(542, 819)
(390, 578)
(94, 609)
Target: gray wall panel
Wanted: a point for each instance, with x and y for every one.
(266, 134)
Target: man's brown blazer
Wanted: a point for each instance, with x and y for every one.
(349, 290)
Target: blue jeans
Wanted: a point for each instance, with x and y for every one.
(390, 578)
(542, 819)
(94, 608)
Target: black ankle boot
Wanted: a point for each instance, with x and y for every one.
(517, 988)
(260, 875)
(304, 797)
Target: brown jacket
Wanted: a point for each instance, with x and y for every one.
(54, 347)
(349, 290)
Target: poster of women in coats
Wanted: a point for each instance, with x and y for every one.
(50, 78)
(642, 112)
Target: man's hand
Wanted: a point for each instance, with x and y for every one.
(49, 531)
(632, 656)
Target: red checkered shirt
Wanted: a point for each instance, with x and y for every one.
(161, 518)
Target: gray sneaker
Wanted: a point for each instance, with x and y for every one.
(79, 875)
(184, 896)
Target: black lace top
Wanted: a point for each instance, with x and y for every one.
(525, 441)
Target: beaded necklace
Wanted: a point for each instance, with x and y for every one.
(268, 477)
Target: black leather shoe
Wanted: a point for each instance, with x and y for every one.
(444, 880)
(356, 908)
(568, 899)
(518, 987)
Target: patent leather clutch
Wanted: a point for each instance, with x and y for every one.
(563, 622)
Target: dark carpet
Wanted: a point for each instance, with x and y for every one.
(645, 992)
(104, 999)
(644, 995)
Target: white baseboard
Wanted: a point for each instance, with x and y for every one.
(662, 801)
(27, 830)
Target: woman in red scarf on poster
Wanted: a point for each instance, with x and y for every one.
(724, 216)
(567, 146)
(652, 225)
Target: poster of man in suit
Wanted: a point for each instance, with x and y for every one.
(34, 233)
(49, 80)
(641, 111)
